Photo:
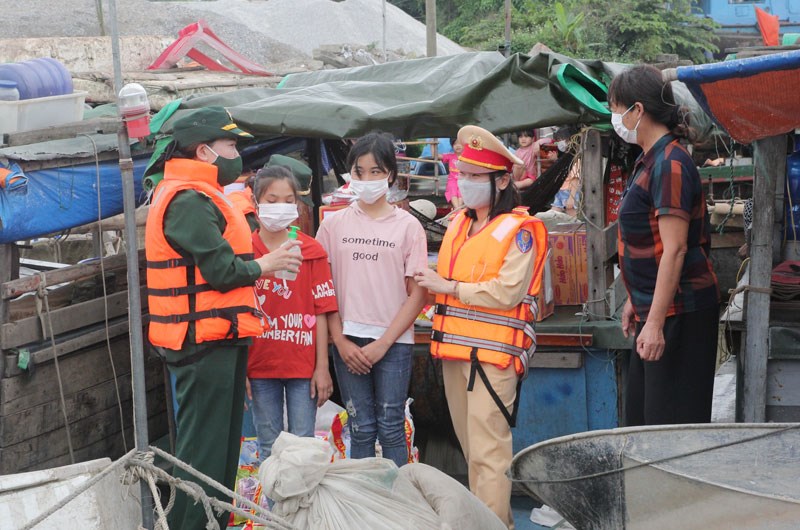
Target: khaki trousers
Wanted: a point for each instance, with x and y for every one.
(483, 431)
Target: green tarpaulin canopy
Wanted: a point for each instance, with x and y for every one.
(419, 98)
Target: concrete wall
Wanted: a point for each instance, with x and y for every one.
(87, 54)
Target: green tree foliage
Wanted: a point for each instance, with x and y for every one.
(611, 30)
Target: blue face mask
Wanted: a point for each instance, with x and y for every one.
(628, 135)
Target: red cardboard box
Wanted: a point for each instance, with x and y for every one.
(565, 288)
(570, 265)
(544, 298)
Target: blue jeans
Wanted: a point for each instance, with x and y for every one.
(268, 400)
(376, 402)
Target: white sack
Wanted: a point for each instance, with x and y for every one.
(313, 493)
(454, 503)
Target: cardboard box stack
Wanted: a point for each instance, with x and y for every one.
(570, 265)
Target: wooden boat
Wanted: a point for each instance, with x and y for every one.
(669, 476)
(107, 504)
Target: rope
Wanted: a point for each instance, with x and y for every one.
(657, 461)
(105, 296)
(41, 293)
(140, 466)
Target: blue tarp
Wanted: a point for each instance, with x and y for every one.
(53, 200)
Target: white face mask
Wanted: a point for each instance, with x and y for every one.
(562, 145)
(626, 134)
(475, 194)
(277, 216)
(370, 191)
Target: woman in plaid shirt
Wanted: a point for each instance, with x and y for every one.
(664, 243)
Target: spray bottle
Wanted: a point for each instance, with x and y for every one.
(286, 274)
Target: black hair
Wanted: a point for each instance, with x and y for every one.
(503, 201)
(266, 176)
(381, 146)
(453, 141)
(527, 132)
(644, 84)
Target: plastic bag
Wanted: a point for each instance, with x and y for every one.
(247, 483)
(312, 492)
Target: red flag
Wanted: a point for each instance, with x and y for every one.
(769, 26)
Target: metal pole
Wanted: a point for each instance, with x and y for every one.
(507, 48)
(430, 27)
(384, 30)
(134, 301)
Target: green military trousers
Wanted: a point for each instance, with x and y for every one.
(210, 394)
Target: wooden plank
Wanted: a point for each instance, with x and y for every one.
(47, 417)
(770, 160)
(72, 317)
(70, 130)
(552, 359)
(75, 272)
(65, 347)
(610, 241)
(116, 222)
(84, 432)
(727, 240)
(600, 274)
(9, 264)
(79, 370)
(111, 447)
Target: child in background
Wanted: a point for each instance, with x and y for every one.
(528, 152)
(451, 192)
(288, 363)
(374, 249)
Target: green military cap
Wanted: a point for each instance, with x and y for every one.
(302, 173)
(206, 125)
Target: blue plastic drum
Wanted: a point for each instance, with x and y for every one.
(38, 78)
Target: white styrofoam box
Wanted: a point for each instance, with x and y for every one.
(37, 113)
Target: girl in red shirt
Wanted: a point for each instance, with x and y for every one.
(289, 363)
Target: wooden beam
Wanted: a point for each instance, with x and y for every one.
(83, 340)
(70, 130)
(610, 241)
(561, 359)
(770, 160)
(64, 319)
(15, 288)
(600, 274)
(9, 270)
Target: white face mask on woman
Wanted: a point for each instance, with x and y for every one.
(475, 194)
(628, 135)
(277, 216)
(370, 191)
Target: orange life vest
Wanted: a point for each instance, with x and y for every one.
(243, 200)
(495, 336)
(177, 292)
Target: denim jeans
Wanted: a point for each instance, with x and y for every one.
(376, 402)
(268, 400)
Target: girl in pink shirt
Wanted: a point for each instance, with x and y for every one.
(451, 193)
(374, 249)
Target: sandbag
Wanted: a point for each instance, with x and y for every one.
(452, 502)
(312, 492)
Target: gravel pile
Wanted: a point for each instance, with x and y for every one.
(266, 31)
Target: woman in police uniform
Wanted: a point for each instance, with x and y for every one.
(490, 265)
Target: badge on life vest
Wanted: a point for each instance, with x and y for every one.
(524, 241)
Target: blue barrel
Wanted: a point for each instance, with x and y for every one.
(38, 78)
(793, 196)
